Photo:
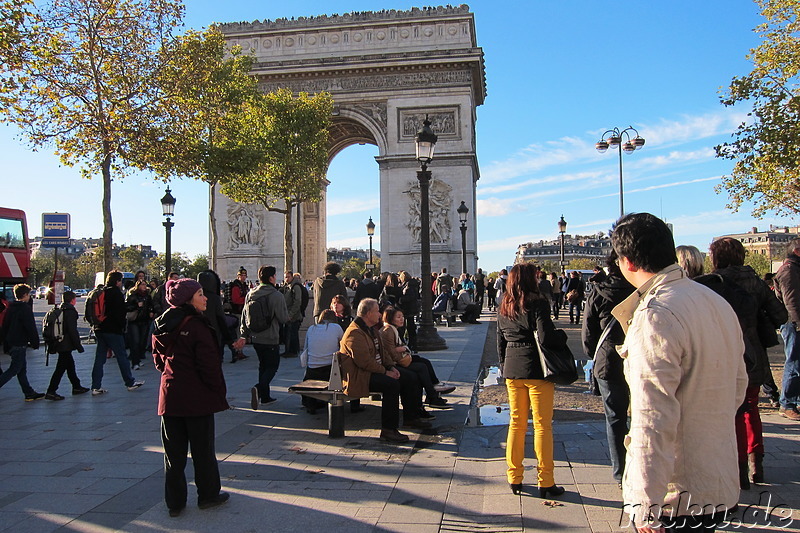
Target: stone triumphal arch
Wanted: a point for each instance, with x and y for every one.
(386, 70)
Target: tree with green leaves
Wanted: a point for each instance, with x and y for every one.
(582, 263)
(130, 260)
(81, 75)
(199, 131)
(292, 131)
(766, 147)
(157, 265)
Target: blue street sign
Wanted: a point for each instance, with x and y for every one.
(55, 229)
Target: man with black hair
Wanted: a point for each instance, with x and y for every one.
(367, 288)
(683, 355)
(326, 287)
(111, 335)
(267, 341)
(20, 331)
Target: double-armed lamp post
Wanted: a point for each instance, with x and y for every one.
(168, 208)
(614, 140)
(428, 338)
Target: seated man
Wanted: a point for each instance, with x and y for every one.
(470, 311)
(440, 304)
(363, 371)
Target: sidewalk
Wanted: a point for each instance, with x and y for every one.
(95, 463)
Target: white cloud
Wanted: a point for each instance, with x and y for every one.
(347, 206)
(495, 207)
(692, 128)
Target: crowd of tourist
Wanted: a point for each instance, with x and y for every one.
(653, 318)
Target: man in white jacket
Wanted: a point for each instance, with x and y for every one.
(684, 361)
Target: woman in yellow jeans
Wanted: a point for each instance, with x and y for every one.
(522, 311)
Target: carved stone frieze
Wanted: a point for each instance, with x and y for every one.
(245, 226)
(346, 18)
(444, 122)
(441, 205)
(375, 110)
(368, 82)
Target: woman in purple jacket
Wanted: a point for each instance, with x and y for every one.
(186, 351)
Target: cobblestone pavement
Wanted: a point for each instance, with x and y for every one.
(95, 463)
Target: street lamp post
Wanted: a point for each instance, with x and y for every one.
(370, 233)
(463, 210)
(629, 146)
(562, 228)
(168, 208)
(428, 338)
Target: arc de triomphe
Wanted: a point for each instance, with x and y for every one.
(386, 70)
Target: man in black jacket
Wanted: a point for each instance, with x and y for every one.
(20, 332)
(111, 335)
(71, 341)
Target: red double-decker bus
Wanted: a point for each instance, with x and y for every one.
(15, 254)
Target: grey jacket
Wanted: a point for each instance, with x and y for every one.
(276, 307)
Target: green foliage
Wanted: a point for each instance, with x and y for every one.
(582, 263)
(200, 130)
(766, 147)
(292, 133)
(180, 264)
(758, 262)
(82, 78)
(130, 260)
(198, 264)
(354, 267)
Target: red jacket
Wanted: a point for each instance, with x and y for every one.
(187, 354)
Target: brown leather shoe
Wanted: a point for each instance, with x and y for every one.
(417, 423)
(790, 413)
(392, 435)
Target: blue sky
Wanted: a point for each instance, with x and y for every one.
(558, 75)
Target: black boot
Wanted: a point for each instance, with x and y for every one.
(744, 476)
(756, 467)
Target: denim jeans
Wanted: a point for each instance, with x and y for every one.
(19, 368)
(269, 360)
(790, 388)
(115, 342)
(137, 336)
(616, 399)
(576, 307)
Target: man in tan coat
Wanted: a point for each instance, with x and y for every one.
(365, 369)
(683, 355)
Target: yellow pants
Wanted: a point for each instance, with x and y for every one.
(522, 395)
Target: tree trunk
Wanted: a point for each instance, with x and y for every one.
(288, 250)
(212, 253)
(108, 225)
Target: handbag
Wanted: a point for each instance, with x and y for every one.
(131, 316)
(574, 296)
(558, 366)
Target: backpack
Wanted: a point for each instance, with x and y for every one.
(304, 298)
(53, 329)
(257, 319)
(99, 308)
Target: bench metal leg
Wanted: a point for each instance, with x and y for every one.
(336, 419)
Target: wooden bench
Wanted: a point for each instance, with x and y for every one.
(331, 391)
(450, 315)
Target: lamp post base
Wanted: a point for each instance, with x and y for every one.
(428, 339)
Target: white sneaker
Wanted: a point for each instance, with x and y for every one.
(136, 385)
(137, 367)
(98, 392)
